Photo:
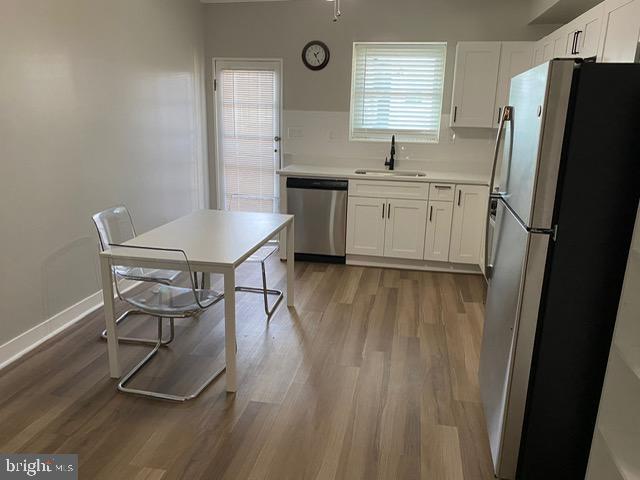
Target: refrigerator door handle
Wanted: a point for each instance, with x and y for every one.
(505, 117)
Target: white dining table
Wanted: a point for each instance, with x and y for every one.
(215, 242)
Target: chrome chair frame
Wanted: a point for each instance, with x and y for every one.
(133, 311)
(159, 342)
(264, 291)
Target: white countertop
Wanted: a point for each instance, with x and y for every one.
(316, 171)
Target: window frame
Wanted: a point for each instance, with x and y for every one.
(401, 137)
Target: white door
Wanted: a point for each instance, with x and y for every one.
(515, 58)
(474, 84)
(248, 113)
(438, 236)
(406, 222)
(365, 226)
(620, 31)
(469, 217)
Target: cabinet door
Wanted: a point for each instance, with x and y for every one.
(406, 222)
(620, 31)
(469, 219)
(474, 84)
(515, 58)
(538, 53)
(365, 226)
(587, 29)
(438, 235)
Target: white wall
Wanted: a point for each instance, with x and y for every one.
(100, 104)
(281, 29)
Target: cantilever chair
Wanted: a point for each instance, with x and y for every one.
(170, 302)
(115, 226)
(261, 256)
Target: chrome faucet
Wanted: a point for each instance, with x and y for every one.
(391, 162)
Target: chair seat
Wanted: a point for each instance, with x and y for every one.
(170, 301)
(262, 254)
(140, 274)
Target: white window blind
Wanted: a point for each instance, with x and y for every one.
(396, 88)
(250, 123)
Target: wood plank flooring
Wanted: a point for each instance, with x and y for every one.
(372, 376)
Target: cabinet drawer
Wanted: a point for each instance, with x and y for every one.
(388, 189)
(442, 191)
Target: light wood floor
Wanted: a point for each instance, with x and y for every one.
(373, 376)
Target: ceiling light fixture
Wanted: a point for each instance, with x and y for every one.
(336, 9)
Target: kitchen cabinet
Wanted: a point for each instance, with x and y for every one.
(469, 219)
(366, 226)
(620, 31)
(474, 84)
(482, 77)
(583, 34)
(386, 227)
(515, 58)
(438, 231)
(609, 31)
(405, 227)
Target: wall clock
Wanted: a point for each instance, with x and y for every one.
(315, 55)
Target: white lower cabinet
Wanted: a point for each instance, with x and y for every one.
(468, 226)
(438, 232)
(404, 233)
(365, 226)
(386, 227)
(442, 223)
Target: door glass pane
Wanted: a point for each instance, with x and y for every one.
(249, 126)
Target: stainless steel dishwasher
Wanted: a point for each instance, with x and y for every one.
(320, 209)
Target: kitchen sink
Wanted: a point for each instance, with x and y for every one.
(390, 173)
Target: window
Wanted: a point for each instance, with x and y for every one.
(396, 88)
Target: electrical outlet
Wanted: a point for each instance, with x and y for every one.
(295, 132)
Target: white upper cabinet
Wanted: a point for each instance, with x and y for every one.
(474, 84)
(583, 34)
(468, 227)
(365, 226)
(515, 58)
(482, 77)
(404, 234)
(609, 31)
(438, 233)
(620, 31)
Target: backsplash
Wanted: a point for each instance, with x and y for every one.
(322, 138)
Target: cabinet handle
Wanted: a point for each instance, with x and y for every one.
(443, 187)
(383, 205)
(499, 114)
(430, 213)
(389, 211)
(577, 39)
(455, 113)
(459, 197)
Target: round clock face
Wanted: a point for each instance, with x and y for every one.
(315, 55)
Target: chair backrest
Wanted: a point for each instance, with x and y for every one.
(114, 226)
(177, 258)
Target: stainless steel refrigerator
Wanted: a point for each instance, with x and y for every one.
(566, 202)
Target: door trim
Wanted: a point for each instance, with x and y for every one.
(254, 63)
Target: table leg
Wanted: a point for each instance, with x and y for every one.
(290, 265)
(230, 328)
(109, 317)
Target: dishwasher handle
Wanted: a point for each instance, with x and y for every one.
(317, 184)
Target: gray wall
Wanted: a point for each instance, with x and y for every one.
(100, 103)
(281, 29)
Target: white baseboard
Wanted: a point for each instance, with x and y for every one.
(27, 341)
(424, 265)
